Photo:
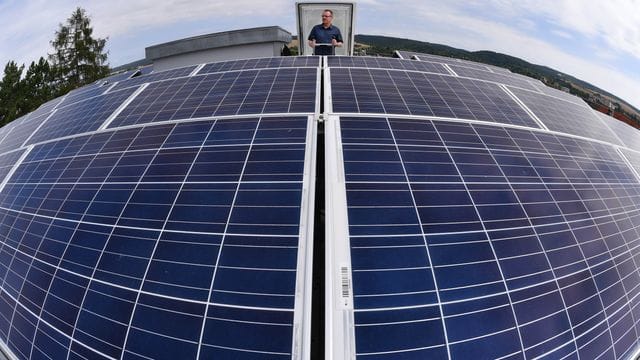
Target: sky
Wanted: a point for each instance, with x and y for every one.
(596, 41)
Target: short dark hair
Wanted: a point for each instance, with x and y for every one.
(329, 10)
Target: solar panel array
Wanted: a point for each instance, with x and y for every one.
(470, 214)
(133, 227)
(467, 239)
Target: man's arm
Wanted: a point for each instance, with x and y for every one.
(336, 40)
(312, 38)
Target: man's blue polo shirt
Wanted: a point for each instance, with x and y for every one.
(325, 35)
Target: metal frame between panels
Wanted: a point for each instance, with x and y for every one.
(6, 179)
(304, 284)
(339, 327)
(340, 316)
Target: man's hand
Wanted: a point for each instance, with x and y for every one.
(335, 42)
(312, 43)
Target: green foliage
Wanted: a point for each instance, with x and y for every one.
(78, 57)
(12, 93)
(39, 82)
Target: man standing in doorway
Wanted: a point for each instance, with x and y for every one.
(325, 34)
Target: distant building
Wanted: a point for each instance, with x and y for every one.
(229, 45)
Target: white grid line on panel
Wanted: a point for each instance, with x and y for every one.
(26, 141)
(58, 266)
(221, 246)
(122, 106)
(449, 69)
(197, 70)
(537, 237)
(34, 257)
(506, 287)
(113, 228)
(157, 240)
(110, 88)
(578, 246)
(627, 162)
(424, 237)
(15, 167)
(525, 108)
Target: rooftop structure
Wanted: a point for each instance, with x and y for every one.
(228, 45)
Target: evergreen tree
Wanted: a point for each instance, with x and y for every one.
(11, 93)
(78, 58)
(38, 85)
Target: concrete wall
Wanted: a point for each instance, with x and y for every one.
(229, 45)
(219, 54)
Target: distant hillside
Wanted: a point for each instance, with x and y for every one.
(594, 96)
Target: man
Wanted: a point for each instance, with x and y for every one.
(325, 33)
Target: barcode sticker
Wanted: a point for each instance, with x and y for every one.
(344, 280)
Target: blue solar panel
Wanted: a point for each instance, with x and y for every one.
(154, 76)
(472, 239)
(634, 159)
(563, 95)
(120, 76)
(568, 117)
(261, 63)
(83, 94)
(356, 90)
(7, 161)
(628, 135)
(96, 88)
(386, 63)
(445, 60)
(502, 78)
(183, 235)
(80, 117)
(14, 134)
(223, 94)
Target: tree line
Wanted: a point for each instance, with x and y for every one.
(77, 59)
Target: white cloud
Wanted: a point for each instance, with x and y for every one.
(562, 34)
(610, 27)
(454, 25)
(615, 22)
(144, 14)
